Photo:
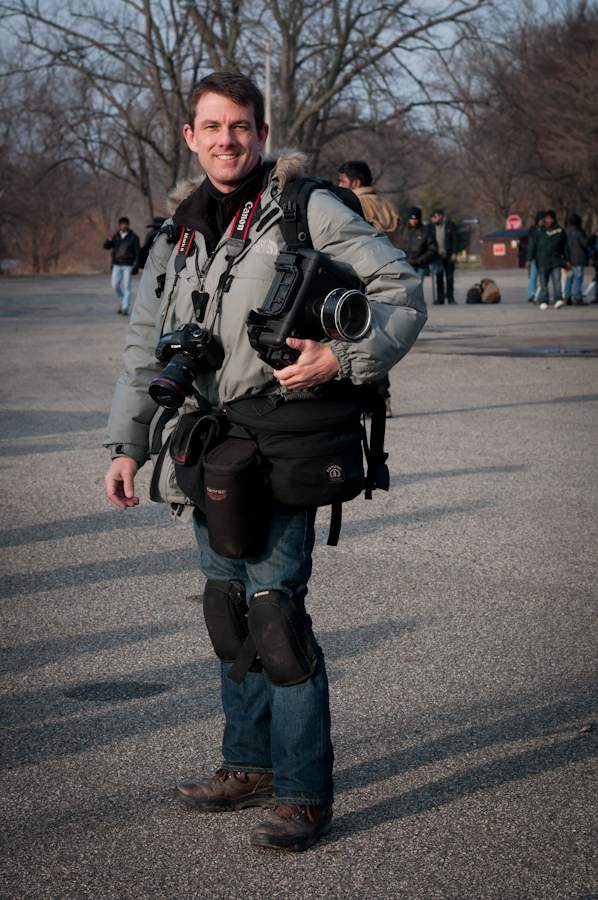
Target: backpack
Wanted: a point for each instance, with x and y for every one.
(474, 294)
(490, 292)
(484, 292)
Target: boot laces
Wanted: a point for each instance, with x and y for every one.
(288, 810)
(223, 774)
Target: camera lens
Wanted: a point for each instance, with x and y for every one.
(175, 382)
(346, 315)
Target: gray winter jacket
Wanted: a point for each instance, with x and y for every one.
(395, 292)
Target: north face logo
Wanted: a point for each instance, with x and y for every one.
(264, 245)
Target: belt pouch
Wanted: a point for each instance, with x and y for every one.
(195, 435)
(313, 448)
(237, 497)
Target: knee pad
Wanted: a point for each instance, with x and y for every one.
(225, 612)
(284, 641)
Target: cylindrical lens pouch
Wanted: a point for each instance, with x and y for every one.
(237, 497)
(195, 435)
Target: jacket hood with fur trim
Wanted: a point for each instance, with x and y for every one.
(289, 165)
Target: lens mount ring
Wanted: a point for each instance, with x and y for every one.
(346, 315)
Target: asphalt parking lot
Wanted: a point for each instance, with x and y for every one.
(458, 616)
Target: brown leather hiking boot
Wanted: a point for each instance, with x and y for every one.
(227, 790)
(292, 827)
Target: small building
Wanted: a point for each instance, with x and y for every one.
(505, 249)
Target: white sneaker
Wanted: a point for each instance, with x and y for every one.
(543, 305)
(559, 303)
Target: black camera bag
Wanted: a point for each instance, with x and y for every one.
(237, 497)
(313, 447)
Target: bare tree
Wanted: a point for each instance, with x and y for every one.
(530, 132)
(131, 70)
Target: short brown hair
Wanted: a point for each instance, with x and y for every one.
(236, 87)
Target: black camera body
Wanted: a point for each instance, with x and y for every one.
(311, 297)
(188, 350)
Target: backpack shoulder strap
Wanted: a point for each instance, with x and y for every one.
(294, 199)
(172, 232)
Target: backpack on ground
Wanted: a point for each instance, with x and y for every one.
(490, 292)
(484, 292)
(474, 294)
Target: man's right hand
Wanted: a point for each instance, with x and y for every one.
(119, 482)
(528, 264)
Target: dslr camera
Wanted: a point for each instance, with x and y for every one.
(311, 297)
(189, 350)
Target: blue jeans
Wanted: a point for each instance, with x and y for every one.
(575, 272)
(545, 276)
(421, 272)
(122, 274)
(283, 730)
(532, 281)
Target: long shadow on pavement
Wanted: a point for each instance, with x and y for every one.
(551, 721)
(95, 523)
(581, 398)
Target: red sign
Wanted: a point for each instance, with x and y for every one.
(499, 249)
(514, 223)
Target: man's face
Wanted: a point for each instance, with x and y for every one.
(437, 218)
(549, 221)
(226, 140)
(345, 181)
(413, 221)
(124, 226)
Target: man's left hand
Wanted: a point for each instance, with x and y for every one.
(316, 365)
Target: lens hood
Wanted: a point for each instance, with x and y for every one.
(345, 315)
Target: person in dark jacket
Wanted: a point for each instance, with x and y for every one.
(550, 249)
(447, 238)
(593, 250)
(418, 242)
(578, 248)
(532, 281)
(124, 244)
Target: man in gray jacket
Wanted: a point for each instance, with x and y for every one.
(276, 747)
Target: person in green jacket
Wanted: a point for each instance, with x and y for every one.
(550, 249)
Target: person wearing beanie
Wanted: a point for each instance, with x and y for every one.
(447, 238)
(532, 281)
(418, 243)
(578, 247)
(550, 249)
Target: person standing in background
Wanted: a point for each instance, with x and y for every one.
(532, 281)
(124, 244)
(550, 249)
(418, 242)
(447, 239)
(357, 176)
(578, 247)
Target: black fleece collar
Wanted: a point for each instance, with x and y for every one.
(209, 211)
